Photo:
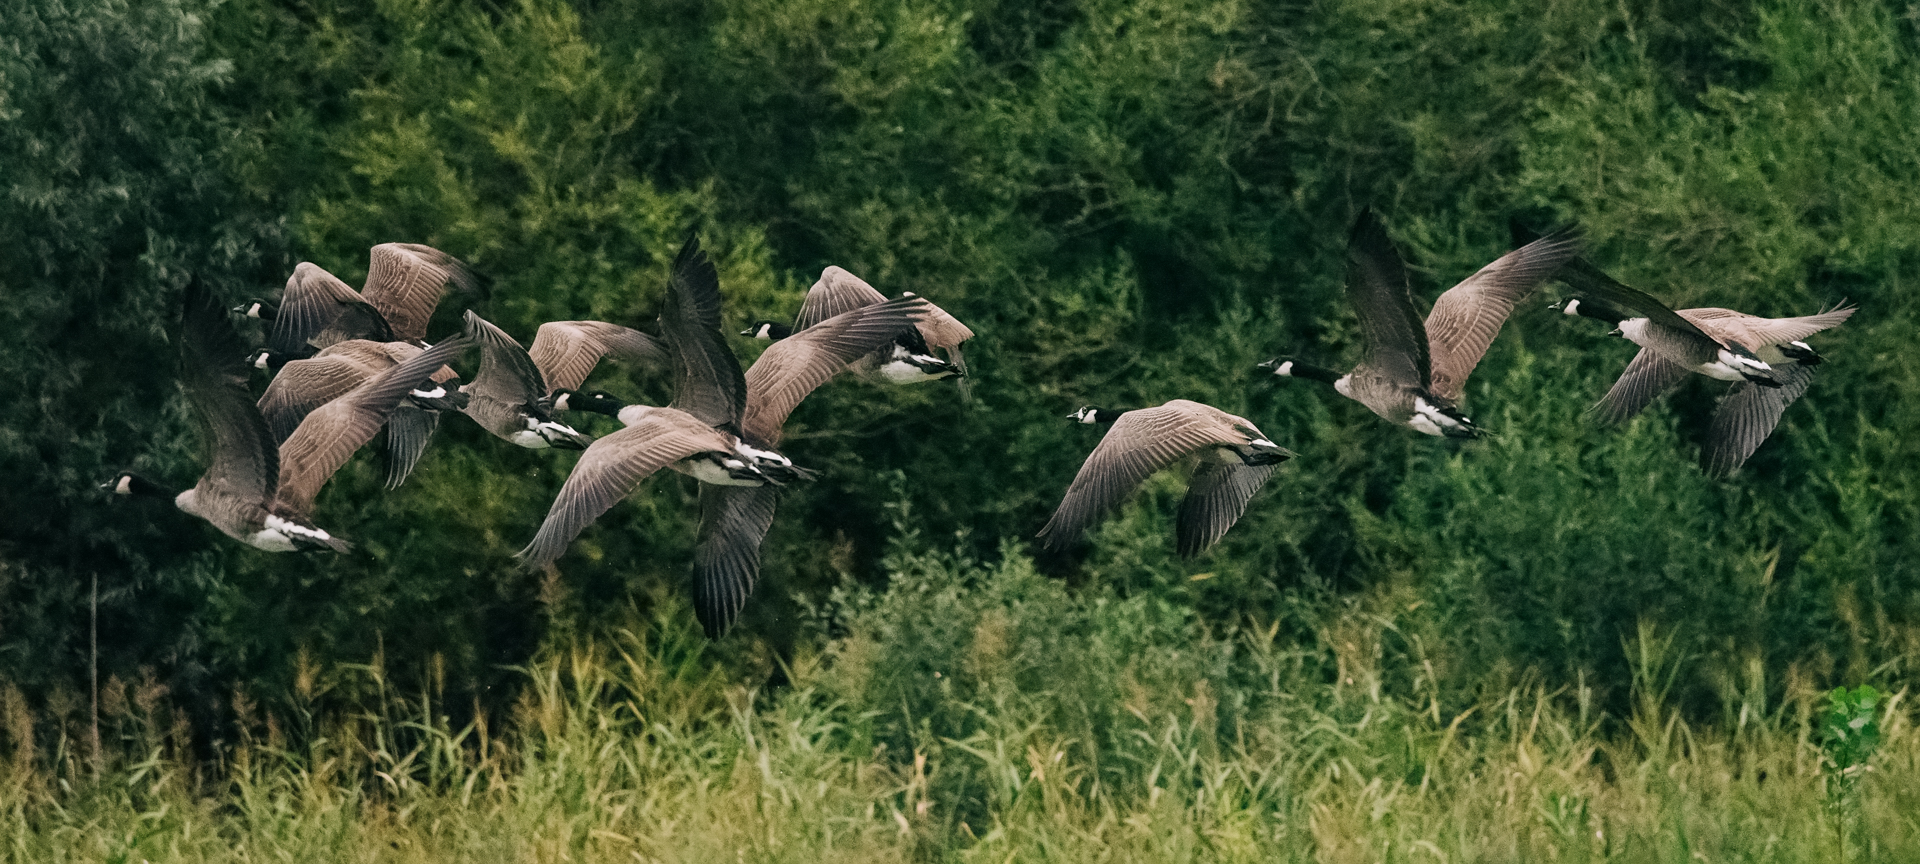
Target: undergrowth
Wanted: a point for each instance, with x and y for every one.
(975, 711)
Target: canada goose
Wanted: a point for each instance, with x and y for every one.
(252, 490)
(508, 396)
(734, 520)
(1767, 359)
(1413, 373)
(695, 435)
(405, 281)
(735, 516)
(908, 360)
(1235, 460)
(304, 385)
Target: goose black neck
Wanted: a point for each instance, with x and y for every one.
(1105, 415)
(1594, 309)
(772, 331)
(1313, 373)
(597, 403)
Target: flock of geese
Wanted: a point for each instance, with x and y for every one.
(347, 364)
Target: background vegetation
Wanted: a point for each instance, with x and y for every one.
(1131, 201)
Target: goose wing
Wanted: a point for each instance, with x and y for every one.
(710, 385)
(409, 429)
(303, 385)
(506, 373)
(792, 367)
(240, 455)
(610, 469)
(567, 351)
(1747, 416)
(317, 310)
(837, 292)
(1467, 317)
(1216, 500)
(1140, 444)
(726, 563)
(406, 281)
(1647, 377)
(333, 432)
(1377, 287)
(1755, 331)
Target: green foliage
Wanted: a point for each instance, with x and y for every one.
(1849, 737)
(1850, 728)
(117, 190)
(1148, 740)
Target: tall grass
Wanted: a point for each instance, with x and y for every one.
(972, 711)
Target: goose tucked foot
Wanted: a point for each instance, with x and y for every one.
(541, 434)
(1730, 366)
(1801, 353)
(1442, 421)
(776, 468)
(285, 535)
(723, 469)
(908, 367)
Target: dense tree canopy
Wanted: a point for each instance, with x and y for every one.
(1129, 200)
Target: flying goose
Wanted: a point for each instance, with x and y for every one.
(304, 385)
(1767, 359)
(696, 434)
(908, 360)
(254, 491)
(508, 397)
(405, 281)
(1235, 461)
(735, 515)
(1413, 373)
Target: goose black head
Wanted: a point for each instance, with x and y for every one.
(1091, 414)
(1288, 367)
(1279, 365)
(1587, 307)
(259, 309)
(129, 483)
(771, 331)
(268, 359)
